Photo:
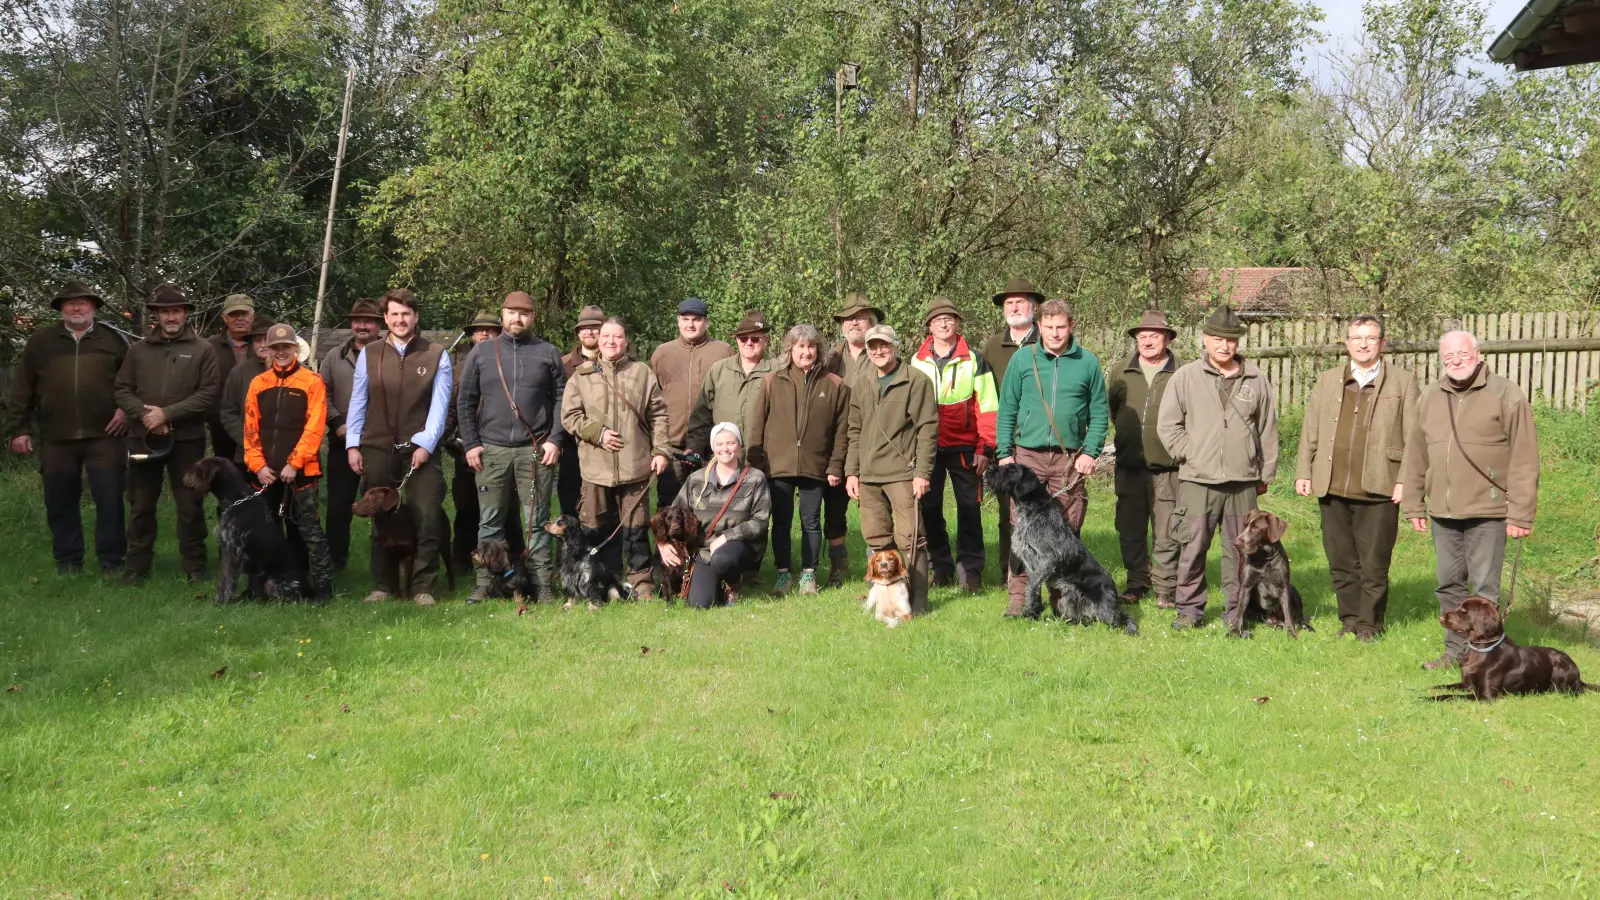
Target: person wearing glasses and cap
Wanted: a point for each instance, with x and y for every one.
(285, 415)
(681, 366)
(232, 346)
(65, 380)
(168, 385)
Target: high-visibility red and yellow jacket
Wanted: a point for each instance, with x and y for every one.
(965, 388)
(285, 416)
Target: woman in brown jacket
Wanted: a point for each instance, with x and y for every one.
(797, 437)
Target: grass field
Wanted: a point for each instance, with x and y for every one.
(777, 749)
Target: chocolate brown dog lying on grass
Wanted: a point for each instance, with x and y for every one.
(1494, 666)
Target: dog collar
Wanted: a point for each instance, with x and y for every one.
(510, 572)
(1487, 649)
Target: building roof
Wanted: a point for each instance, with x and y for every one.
(1547, 34)
(1251, 291)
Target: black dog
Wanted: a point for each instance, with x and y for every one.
(1495, 666)
(1265, 591)
(249, 540)
(677, 526)
(509, 575)
(1053, 556)
(584, 574)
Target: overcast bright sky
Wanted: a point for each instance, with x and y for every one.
(1341, 19)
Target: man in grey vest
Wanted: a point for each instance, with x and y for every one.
(398, 404)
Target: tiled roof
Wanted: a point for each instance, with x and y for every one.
(1252, 290)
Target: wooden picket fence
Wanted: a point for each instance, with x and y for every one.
(1294, 352)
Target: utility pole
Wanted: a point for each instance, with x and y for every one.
(846, 77)
(333, 201)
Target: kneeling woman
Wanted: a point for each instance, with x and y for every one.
(733, 506)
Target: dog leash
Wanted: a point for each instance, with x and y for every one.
(258, 493)
(1511, 592)
(643, 495)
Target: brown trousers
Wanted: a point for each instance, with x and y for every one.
(1201, 509)
(144, 489)
(626, 509)
(1145, 500)
(1358, 539)
(892, 517)
(424, 493)
(1054, 468)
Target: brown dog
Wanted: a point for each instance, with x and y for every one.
(1265, 591)
(678, 527)
(1494, 666)
(889, 600)
(395, 526)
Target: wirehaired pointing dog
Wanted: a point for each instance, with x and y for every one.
(248, 539)
(1495, 666)
(1265, 592)
(509, 575)
(584, 573)
(395, 526)
(889, 599)
(1053, 555)
(677, 527)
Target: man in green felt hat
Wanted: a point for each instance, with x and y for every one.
(338, 373)
(232, 346)
(1018, 302)
(1220, 424)
(1146, 475)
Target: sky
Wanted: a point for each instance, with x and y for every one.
(1341, 20)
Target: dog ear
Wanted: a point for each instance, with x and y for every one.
(1276, 527)
(391, 499)
(198, 477)
(557, 528)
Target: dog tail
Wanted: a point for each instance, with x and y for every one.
(1585, 687)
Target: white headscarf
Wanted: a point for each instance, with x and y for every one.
(729, 427)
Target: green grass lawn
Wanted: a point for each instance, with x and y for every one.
(793, 748)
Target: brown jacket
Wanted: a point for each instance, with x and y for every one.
(1393, 410)
(626, 398)
(799, 425)
(1217, 444)
(726, 396)
(1135, 406)
(893, 429)
(999, 349)
(681, 369)
(339, 377)
(1495, 424)
(179, 376)
(67, 383)
(399, 391)
(846, 367)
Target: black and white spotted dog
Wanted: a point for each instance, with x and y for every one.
(584, 575)
(249, 540)
(1053, 556)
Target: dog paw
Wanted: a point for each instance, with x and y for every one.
(1130, 628)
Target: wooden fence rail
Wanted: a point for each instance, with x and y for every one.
(1551, 356)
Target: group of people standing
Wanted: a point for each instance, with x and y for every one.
(745, 439)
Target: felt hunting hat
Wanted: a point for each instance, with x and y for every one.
(76, 290)
(238, 303)
(1224, 324)
(1016, 287)
(366, 308)
(259, 326)
(882, 333)
(519, 301)
(483, 319)
(168, 294)
(282, 333)
(1153, 320)
(856, 303)
(693, 306)
(591, 316)
(754, 322)
(941, 307)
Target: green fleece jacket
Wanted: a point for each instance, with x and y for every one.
(1070, 387)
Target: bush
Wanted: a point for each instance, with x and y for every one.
(1568, 433)
(1290, 420)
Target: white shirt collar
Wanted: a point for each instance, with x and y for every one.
(1365, 377)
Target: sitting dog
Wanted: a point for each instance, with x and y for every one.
(1495, 666)
(509, 576)
(1265, 591)
(395, 525)
(249, 540)
(677, 527)
(1053, 555)
(889, 599)
(584, 573)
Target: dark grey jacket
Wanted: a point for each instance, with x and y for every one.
(537, 379)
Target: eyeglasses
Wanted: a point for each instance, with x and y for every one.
(751, 338)
(1463, 356)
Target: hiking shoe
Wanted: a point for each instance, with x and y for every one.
(376, 597)
(1134, 595)
(196, 577)
(1184, 623)
(130, 578)
(644, 593)
(478, 595)
(730, 594)
(1444, 662)
(781, 586)
(1366, 636)
(1165, 601)
(837, 570)
(808, 584)
(69, 568)
(941, 579)
(972, 585)
(1347, 630)
(424, 599)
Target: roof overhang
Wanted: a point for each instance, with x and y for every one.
(1548, 34)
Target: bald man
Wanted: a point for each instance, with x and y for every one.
(1470, 474)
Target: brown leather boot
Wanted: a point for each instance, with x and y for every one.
(1016, 596)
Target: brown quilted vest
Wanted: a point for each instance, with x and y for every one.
(399, 391)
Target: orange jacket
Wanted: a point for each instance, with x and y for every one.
(285, 416)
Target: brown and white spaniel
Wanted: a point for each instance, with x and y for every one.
(889, 600)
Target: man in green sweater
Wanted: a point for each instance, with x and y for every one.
(1052, 419)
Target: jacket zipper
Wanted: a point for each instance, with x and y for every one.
(77, 398)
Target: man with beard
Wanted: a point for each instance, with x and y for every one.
(569, 484)
(398, 404)
(849, 359)
(680, 366)
(338, 376)
(65, 379)
(1018, 302)
(168, 384)
(510, 414)
(464, 486)
(232, 346)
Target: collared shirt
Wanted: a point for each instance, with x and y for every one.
(438, 405)
(76, 337)
(1365, 377)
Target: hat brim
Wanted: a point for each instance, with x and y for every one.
(928, 320)
(1172, 334)
(1224, 333)
(1000, 298)
(741, 332)
(854, 311)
